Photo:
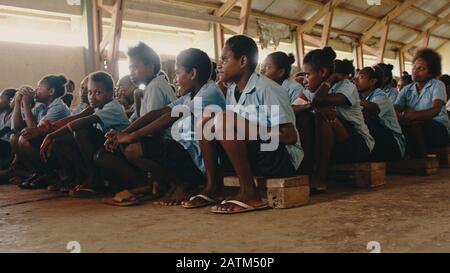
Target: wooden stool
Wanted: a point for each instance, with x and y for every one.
(282, 193)
(425, 167)
(363, 175)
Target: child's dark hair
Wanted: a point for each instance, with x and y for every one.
(195, 58)
(58, 83)
(321, 58)
(214, 71)
(344, 67)
(147, 55)
(445, 79)
(387, 70)
(242, 45)
(433, 60)
(283, 61)
(71, 82)
(407, 78)
(10, 93)
(375, 72)
(104, 79)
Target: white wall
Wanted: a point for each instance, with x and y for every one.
(26, 63)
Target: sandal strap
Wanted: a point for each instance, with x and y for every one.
(204, 197)
(238, 203)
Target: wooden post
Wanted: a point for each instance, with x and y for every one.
(359, 56)
(116, 34)
(300, 47)
(219, 41)
(383, 42)
(327, 27)
(401, 58)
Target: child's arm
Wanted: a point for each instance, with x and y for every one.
(287, 134)
(322, 98)
(60, 123)
(146, 119)
(370, 107)
(163, 122)
(29, 119)
(301, 108)
(17, 121)
(411, 115)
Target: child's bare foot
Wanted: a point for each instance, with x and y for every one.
(176, 196)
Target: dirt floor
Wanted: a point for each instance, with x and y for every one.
(410, 214)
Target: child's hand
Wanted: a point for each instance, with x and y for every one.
(30, 133)
(111, 145)
(328, 113)
(111, 134)
(46, 148)
(124, 138)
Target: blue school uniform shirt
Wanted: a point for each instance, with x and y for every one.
(112, 116)
(351, 113)
(157, 95)
(388, 117)
(81, 107)
(294, 89)
(391, 93)
(56, 110)
(210, 96)
(433, 90)
(259, 92)
(5, 122)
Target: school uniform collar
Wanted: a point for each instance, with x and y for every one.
(373, 93)
(249, 88)
(427, 85)
(54, 103)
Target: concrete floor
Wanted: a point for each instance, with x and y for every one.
(410, 214)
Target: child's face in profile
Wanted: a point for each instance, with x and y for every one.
(97, 95)
(184, 80)
(313, 78)
(230, 68)
(43, 92)
(270, 70)
(363, 82)
(140, 73)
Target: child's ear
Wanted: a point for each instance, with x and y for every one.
(194, 74)
(243, 61)
(323, 72)
(51, 91)
(281, 73)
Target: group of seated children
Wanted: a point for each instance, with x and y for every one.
(175, 146)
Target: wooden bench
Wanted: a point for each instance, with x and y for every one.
(363, 175)
(425, 167)
(443, 155)
(282, 193)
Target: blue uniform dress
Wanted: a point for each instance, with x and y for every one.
(437, 130)
(360, 143)
(390, 142)
(180, 154)
(266, 104)
(294, 89)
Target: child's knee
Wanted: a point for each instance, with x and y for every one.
(22, 142)
(133, 152)
(100, 157)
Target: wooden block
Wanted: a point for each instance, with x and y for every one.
(282, 193)
(363, 175)
(285, 193)
(427, 166)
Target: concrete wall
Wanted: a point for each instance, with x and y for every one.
(26, 64)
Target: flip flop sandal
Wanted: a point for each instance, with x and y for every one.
(128, 199)
(246, 208)
(207, 202)
(83, 193)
